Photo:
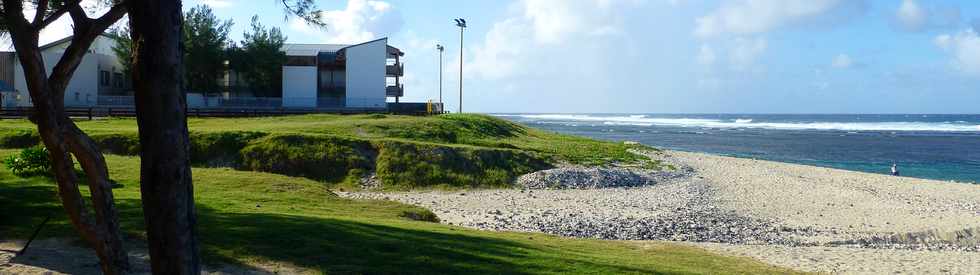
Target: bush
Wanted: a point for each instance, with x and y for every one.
(32, 161)
(118, 144)
(326, 158)
(408, 165)
(19, 139)
(422, 215)
(221, 149)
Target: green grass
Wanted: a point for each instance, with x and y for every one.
(447, 151)
(254, 217)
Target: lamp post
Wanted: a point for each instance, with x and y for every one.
(461, 23)
(440, 48)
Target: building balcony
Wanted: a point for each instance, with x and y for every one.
(395, 91)
(395, 70)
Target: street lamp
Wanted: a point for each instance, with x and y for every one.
(440, 48)
(461, 23)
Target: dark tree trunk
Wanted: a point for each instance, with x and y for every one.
(62, 137)
(165, 174)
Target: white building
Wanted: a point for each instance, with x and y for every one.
(99, 73)
(321, 76)
(338, 76)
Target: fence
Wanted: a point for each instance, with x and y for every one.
(108, 111)
(120, 101)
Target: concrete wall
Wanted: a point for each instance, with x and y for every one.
(299, 86)
(110, 63)
(102, 45)
(83, 89)
(366, 74)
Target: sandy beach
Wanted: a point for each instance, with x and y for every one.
(802, 217)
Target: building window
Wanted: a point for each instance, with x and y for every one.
(300, 60)
(104, 78)
(117, 80)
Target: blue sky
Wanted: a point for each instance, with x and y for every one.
(667, 56)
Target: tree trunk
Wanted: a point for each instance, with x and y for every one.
(62, 138)
(165, 174)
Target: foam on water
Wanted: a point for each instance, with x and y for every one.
(643, 120)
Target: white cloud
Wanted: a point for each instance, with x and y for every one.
(911, 16)
(217, 4)
(744, 52)
(500, 54)
(360, 21)
(964, 50)
(555, 20)
(538, 30)
(753, 17)
(842, 61)
(706, 55)
(740, 27)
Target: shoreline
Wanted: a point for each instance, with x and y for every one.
(974, 182)
(744, 207)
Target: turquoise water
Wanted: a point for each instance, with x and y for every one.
(943, 147)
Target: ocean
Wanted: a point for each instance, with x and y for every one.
(942, 147)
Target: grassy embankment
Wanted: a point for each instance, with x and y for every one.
(449, 151)
(254, 217)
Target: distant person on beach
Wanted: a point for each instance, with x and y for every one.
(894, 169)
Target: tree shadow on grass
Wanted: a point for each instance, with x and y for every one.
(343, 246)
(324, 244)
(23, 208)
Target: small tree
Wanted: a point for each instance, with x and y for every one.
(123, 48)
(260, 59)
(157, 69)
(205, 40)
(60, 135)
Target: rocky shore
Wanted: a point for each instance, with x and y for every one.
(729, 203)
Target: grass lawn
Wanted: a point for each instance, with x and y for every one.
(248, 217)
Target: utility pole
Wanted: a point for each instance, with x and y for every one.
(441, 49)
(461, 23)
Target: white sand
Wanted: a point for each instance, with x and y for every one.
(847, 260)
(838, 221)
(802, 195)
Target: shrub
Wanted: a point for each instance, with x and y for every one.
(19, 139)
(423, 215)
(32, 161)
(118, 144)
(408, 165)
(220, 149)
(326, 158)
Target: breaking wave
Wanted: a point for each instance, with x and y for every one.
(643, 120)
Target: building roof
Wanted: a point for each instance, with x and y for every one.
(310, 49)
(64, 40)
(292, 49)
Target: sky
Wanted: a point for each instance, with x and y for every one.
(662, 56)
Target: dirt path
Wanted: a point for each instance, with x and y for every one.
(62, 256)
